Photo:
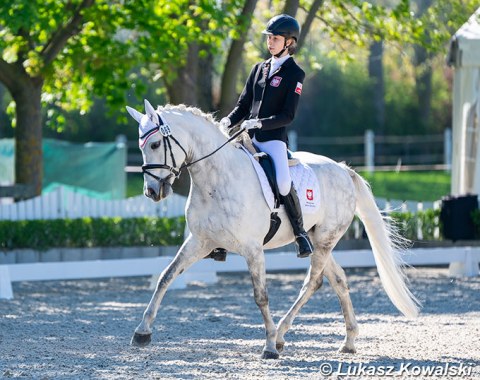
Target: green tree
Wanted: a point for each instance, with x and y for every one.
(61, 53)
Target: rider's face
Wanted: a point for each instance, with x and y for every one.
(275, 44)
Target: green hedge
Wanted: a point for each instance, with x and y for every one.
(91, 232)
(118, 232)
(427, 221)
(409, 222)
(476, 222)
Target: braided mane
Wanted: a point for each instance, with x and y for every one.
(193, 110)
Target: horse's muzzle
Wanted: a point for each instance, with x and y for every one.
(164, 190)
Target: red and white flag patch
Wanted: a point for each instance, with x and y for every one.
(275, 82)
(298, 89)
(310, 194)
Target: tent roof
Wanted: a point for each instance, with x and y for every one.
(465, 44)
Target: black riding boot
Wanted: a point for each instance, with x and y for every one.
(218, 254)
(294, 212)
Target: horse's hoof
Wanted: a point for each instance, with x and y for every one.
(270, 355)
(279, 346)
(347, 350)
(141, 340)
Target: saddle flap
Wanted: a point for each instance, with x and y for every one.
(303, 177)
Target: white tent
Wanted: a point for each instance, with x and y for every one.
(464, 56)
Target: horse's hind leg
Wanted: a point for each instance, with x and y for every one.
(190, 252)
(337, 279)
(314, 280)
(256, 265)
(312, 283)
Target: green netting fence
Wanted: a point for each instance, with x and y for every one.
(95, 169)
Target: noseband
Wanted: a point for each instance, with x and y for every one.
(166, 132)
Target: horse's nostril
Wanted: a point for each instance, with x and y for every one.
(150, 192)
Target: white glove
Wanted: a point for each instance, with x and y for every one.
(251, 124)
(225, 122)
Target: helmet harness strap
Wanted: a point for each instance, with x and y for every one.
(278, 55)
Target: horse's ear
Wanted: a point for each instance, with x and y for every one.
(151, 111)
(135, 114)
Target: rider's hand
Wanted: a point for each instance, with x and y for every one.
(251, 124)
(225, 123)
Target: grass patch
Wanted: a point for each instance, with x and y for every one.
(134, 184)
(413, 186)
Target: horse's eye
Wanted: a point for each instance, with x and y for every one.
(155, 145)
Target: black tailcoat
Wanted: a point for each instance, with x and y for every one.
(275, 99)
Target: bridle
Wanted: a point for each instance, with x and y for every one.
(166, 133)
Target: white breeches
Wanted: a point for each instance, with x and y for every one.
(278, 151)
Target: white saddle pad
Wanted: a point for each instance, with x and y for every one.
(304, 180)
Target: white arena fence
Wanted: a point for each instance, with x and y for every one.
(62, 204)
(67, 204)
(462, 261)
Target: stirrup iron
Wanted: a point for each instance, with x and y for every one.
(304, 245)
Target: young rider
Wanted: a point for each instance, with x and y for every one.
(267, 105)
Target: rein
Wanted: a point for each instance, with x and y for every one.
(166, 132)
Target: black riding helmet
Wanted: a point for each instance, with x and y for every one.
(283, 25)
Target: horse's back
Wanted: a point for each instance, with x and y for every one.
(338, 194)
(324, 166)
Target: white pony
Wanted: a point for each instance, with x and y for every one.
(225, 208)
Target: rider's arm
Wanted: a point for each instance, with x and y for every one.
(242, 109)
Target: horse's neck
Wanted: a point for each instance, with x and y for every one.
(220, 168)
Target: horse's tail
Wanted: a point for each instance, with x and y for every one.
(387, 246)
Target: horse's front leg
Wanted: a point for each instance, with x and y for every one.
(190, 252)
(256, 266)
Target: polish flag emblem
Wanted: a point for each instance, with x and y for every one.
(310, 194)
(298, 89)
(275, 81)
